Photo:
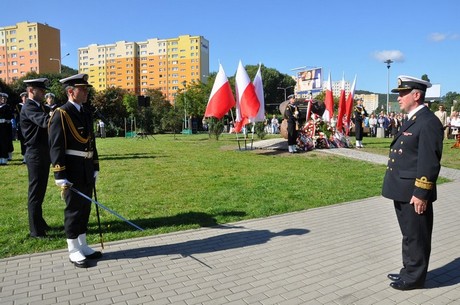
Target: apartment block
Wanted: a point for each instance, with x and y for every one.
(164, 64)
(26, 47)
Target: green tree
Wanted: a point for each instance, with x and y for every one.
(109, 103)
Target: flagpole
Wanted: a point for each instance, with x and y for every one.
(233, 120)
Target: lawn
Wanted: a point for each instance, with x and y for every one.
(177, 182)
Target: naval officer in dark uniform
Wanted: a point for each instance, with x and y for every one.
(291, 113)
(34, 127)
(359, 114)
(410, 180)
(75, 163)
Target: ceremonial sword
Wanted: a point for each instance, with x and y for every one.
(106, 208)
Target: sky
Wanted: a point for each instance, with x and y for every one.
(345, 38)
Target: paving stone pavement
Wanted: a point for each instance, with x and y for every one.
(338, 254)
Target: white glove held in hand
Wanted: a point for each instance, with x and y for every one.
(63, 183)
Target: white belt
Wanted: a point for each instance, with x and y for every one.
(4, 121)
(78, 153)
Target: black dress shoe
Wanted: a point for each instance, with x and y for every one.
(80, 264)
(39, 236)
(95, 255)
(403, 285)
(394, 276)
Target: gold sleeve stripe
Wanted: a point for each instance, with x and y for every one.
(423, 183)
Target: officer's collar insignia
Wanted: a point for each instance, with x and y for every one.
(414, 117)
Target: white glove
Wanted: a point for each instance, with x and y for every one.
(63, 183)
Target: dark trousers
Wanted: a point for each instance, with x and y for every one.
(416, 230)
(38, 167)
(77, 210)
(292, 134)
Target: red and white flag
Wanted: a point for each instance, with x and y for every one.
(246, 94)
(349, 104)
(329, 101)
(221, 99)
(259, 88)
(342, 106)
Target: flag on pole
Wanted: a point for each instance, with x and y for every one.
(221, 99)
(246, 94)
(349, 103)
(329, 101)
(342, 106)
(259, 88)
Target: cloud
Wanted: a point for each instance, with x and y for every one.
(438, 37)
(394, 55)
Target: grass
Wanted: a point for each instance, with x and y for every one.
(171, 183)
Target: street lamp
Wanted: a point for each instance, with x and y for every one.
(185, 104)
(59, 60)
(281, 88)
(388, 62)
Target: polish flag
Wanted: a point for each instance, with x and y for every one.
(329, 101)
(221, 99)
(342, 107)
(349, 103)
(259, 88)
(246, 94)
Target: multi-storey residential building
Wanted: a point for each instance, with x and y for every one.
(164, 64)
(26, 47)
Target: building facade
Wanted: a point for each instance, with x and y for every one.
(28, 47)
(163, 64)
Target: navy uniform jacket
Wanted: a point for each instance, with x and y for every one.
(34, 123)
(70, 129)
(414, 160)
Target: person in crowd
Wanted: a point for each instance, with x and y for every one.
(6, 130)
(50, 100)
(75, 164)
(359, 114)
(373, 125)
(292, 114)
(441, 114)
(393, 125)
(34, 127)
(410, 181)
(275, 124)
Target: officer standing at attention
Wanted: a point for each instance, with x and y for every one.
(292, 114)
(359, 113)
(410, 180)
(75, 164)
(34, 127)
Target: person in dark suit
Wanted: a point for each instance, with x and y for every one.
(75, 164)
(6, 131)
(34, 127)
(410, 180)
(291, 113)
(359, 114)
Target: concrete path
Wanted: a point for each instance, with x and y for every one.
(339, 254)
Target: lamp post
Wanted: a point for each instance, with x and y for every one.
(185, 104)
(59, 60)
(388, 62)
(281, 88)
